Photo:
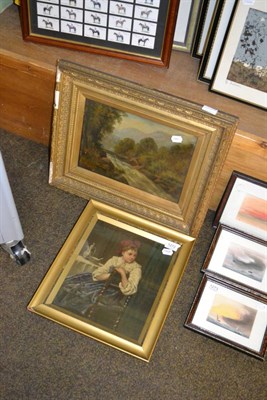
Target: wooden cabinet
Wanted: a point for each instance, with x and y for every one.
(27, 89)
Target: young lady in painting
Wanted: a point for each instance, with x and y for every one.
(103, 294)
(125, 265)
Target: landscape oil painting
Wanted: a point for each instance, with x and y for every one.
(135, 150)
(138, 149)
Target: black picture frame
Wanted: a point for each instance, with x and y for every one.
(205, 19)
(240, 72)
(214, 41)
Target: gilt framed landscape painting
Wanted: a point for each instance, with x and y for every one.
(135, 148)
(114, 279)
(138, 30)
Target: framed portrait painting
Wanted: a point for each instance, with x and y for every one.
(138, 30)
(233, 317)
(114, 279)
(135, 148)
(244, 205)
(239, 258)
(241, 71)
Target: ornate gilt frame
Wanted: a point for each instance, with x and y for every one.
(212, 132)
(163, 255)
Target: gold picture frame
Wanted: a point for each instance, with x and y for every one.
(173, 149)
(129, 321)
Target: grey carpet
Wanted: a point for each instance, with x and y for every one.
(42, 360)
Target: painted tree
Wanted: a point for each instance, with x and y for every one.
(125, 147)
(253, 41)
(99, 120)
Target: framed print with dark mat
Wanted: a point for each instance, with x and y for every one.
(138, 30)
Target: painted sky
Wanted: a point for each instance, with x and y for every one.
(139, 128)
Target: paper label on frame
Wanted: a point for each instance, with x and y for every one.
(210, 110)
(172, 246)
(248, 2)
(167, 252)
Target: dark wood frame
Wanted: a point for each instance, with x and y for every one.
(215, 243)
(191, 325)
(224, 200)
(159, 55)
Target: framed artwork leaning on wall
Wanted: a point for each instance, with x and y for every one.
(241, 70)
(186, 24)
(143, 151)
(138, 30)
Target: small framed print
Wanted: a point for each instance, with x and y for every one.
(241, 69)
(186, 24)
(215, 39)
(138, 30)
(230, 316)
(114, 279)
(238, 258)
(244, 205)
